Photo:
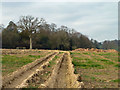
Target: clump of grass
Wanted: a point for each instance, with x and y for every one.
(105, 54)
(61, 52)
(86, 53)
(77, 58)
(116, 80)
(35, 56)
(93, 78)
(85, 65)
(75, 71)
(33, 87)
(51, 63)
(105, 61)
(117, 65)
(39, 51)
(97, 73)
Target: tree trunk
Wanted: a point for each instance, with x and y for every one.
(30, 42)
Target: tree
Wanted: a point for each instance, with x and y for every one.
(30, 24)
(10, 36)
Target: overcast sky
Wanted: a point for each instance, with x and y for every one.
(97, 20)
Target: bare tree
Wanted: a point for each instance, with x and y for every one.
(29, 24)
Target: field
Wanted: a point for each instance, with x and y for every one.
(59, 69)
(97, 69)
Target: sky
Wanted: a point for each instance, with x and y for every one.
(97, 20)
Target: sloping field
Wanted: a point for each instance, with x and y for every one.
(97, 69)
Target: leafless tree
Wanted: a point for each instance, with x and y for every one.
(29, 24)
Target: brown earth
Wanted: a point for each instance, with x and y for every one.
(37, 73)
(95, 50)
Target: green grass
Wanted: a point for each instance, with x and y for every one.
(12, 62)
(98, 73)
(35, 56)
(87, 65)
(93, 78)
(61, 52)
(52, 62)
(86, 53)
(117, 65)
(105, 61)
(75, 71)
(90, 64)
(116, 80)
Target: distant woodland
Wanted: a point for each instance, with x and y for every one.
(31, 32)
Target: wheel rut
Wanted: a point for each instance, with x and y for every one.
(16, 79)
(63, 76)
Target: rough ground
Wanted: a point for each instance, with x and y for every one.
(40, 73)
(97, 69)
(16, 78)
(56, 69)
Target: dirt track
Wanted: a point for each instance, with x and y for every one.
(62, 74)
(63, 77)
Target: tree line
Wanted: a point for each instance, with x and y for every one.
(32, 32)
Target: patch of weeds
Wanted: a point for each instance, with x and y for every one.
(78, 58)
(93, 53)
(75, 71)
(74, 53)
(116, 80)
(57, 57)
(95, 65)
(117, 65)
(105, 60)
(39, 51)
(71, 53)
(62, 52)
(35, 56)
(49, 66)
(85, 65)
(105, 87)
(32, 86)
(51, 63)
(93, 78)
(105, 54)
(86, 76)
(87, 59)
(86, 53)
(118, 60)
(77, 63)
(97, 73)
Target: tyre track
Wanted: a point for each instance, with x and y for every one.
(17, 77)
(63, 76)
